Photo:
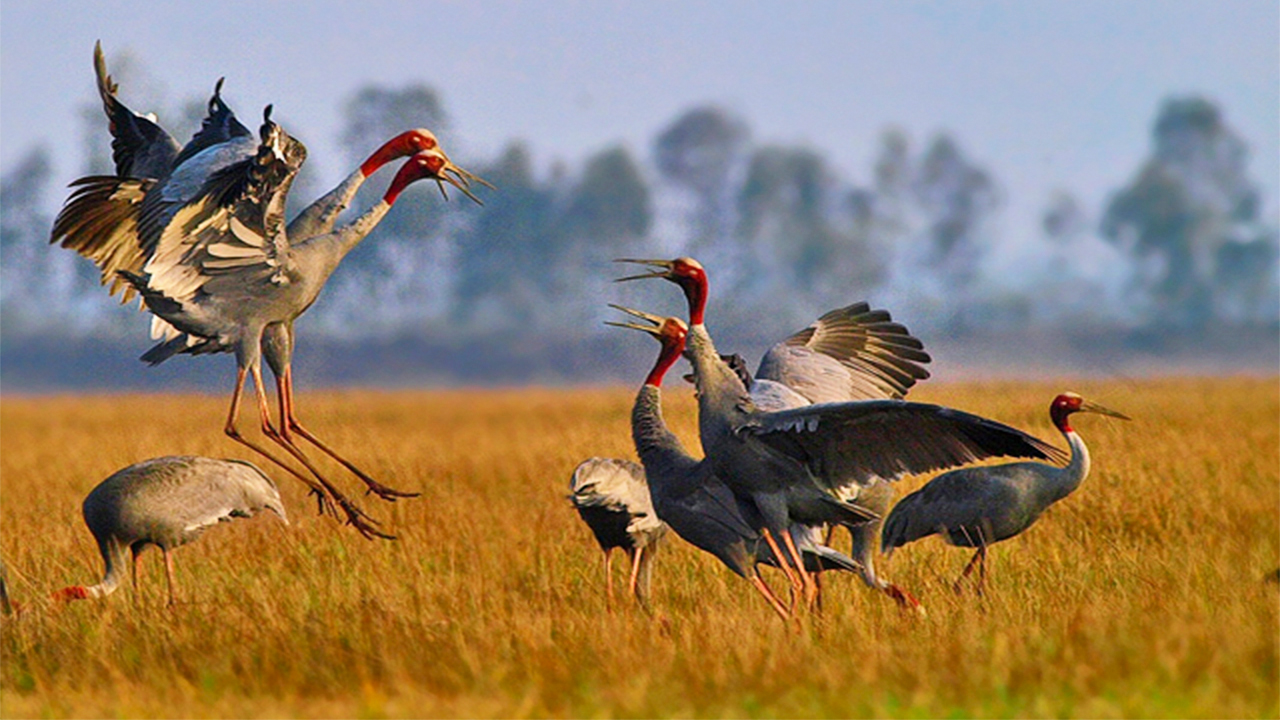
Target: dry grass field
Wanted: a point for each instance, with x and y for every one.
(1143, 594)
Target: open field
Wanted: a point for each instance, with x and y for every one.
(1143, 594)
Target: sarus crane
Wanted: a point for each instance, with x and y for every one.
(612, 498)
(167, 502)
(199, 232)
(792, 463)
(850, 353)
(691, 499)
(975, 507)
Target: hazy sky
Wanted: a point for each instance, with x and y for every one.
(1044, 94)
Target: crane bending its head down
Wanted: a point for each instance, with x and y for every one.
(168, 502)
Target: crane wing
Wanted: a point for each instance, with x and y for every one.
(218, 126)
(850, 353)
(229, 239)
(116, 221)
(609, 482)
(139, 147)
(100, 221)
(887, 439)
(709, 516)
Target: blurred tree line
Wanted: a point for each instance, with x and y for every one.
(1181, 246)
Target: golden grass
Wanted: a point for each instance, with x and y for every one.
(1140, 595)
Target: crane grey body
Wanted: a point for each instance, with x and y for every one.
(793, 463)
(200, 234)
(612, 498)
(168, 502)
(693, 500)
(975, 507)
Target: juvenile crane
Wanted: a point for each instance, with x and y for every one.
(199, 233)
(690, 498)
(792, 463)
(612, 498)
(975, 507)
(167, 502)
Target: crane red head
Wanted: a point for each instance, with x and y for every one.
(683, 271)
(432, 165)
(74, 592)
(671, 332)
(1069, 403)
(405, 144)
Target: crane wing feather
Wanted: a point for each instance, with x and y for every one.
(850, 353)
(99, 221)
(232, 232)
(887, 439)
(218, 126)
(139, 147)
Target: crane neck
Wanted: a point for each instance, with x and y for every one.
(1076, 470)
(320, 216)
(663, 456)
(114, 558)
(667, 358)
(330, 248)
(696, 294)
(715, 380)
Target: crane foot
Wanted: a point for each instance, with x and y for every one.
(905, 600)
(384, 492)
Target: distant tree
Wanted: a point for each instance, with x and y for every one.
(375, 114)
(504, 269)
(785, 224)
(1190, 219)
(43, 289)
(929, 214)
(605, 215)
(1063, 219)
(957, 196)
(611, 203)
(371, 116)
(699, 152)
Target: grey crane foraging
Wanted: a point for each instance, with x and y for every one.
(690, 498)
(795, 463)
(975, 507)
(199, 233)
(167, 502)
(612, 498)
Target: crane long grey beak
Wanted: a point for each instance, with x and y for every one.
(662, 269)
(460, 179)
(1093, 407)
(657, 320)
(635, 326)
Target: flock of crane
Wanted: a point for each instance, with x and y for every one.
(812, 441)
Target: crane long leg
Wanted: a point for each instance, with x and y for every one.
(759, 584)
(810, 587)
(608, 579)
(782, 559)
(980, 558)
(168, 571)
(135, 573)
(289, 422)
(635, 570)
(355, 516)
(326, 505)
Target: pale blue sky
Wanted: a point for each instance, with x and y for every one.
(1044, 94)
